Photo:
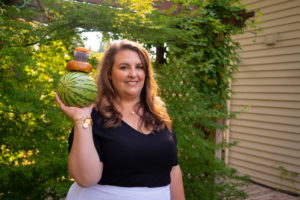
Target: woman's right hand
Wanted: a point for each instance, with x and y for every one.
(73, 112)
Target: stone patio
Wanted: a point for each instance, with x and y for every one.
(258, 192)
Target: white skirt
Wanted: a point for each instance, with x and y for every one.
(108, 192)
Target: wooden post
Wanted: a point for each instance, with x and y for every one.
(219, 139)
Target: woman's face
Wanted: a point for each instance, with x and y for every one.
(128, 74)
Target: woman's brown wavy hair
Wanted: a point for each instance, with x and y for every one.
(154, 115)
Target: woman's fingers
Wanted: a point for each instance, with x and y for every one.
(74, 112)
(69, 111)
(60, 103)
(92, 106)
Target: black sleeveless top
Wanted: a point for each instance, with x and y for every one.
(131, 158)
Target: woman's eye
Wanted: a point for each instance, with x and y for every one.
(123, 67)
(140, 67)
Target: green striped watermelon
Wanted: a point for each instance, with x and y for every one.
(77, 89)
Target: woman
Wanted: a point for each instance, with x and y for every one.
(123, 147)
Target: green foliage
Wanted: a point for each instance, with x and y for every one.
(199, 55)
(33, 131)
(195, 82)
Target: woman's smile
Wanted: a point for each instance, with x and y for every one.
(132, 83)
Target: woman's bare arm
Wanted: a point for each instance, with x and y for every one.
(84, 164)
(177, 189)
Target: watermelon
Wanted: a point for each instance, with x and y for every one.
(77, 89)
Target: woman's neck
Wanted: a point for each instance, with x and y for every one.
(127, 105)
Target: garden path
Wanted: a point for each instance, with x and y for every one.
(258, 192)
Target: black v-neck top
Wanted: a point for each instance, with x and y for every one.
(131, 158)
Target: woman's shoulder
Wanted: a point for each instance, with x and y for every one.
(166, 129)
(170, 133)
(96, 117)
(95, 114)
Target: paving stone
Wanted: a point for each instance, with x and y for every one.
(258, 192)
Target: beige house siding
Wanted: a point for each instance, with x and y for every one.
(268, 84)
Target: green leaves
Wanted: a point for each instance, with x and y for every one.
(195, 84)
(31, 125)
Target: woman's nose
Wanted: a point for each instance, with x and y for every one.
(132, 72)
